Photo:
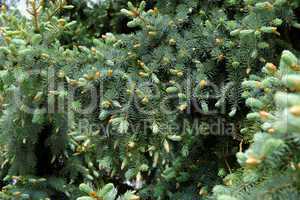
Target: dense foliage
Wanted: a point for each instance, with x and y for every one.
(150, 100)
(271, 163)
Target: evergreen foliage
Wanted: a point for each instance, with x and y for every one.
(126, 97)
(271, 163)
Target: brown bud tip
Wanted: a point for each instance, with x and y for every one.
(264, 114)
(271, 130)
(110, 73)
(203, 83)
(252, 161)
(295, 110)
(271, 67)
(98, 74)
(93, 194)
(221, 57)
(295, 67)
